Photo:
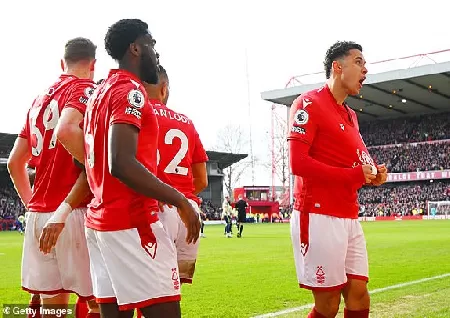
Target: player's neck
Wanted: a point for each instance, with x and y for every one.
(129, 67)
(78, 72)
(337, 91)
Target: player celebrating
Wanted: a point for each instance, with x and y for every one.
(328, 152)
(133, 260)
(66, 268)
(182, 164)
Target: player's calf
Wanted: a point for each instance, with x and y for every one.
(326, 304)
(51, 302)
(357, 299)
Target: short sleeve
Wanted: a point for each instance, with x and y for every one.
(25, 131)
(127, 105)
(303, 120)
(79, 96)
(199, 154)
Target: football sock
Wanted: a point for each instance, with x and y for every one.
(35, 306)
(356, 313)
(315, 314)
(240, 229)
(81, 309)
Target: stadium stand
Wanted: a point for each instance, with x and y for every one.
(406, 129)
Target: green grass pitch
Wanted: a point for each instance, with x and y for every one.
(255, 274)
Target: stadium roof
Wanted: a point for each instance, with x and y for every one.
(414, 91)
(225, 159)
(222, 158)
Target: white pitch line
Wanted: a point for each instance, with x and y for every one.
(375, 291)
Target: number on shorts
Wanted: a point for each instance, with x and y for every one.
(49, 120)
(173, 166)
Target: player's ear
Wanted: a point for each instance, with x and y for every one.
(134, 49)
(92, 65)
(337, 67)
(163, 91)
(63, 65)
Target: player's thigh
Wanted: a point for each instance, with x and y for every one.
(40, 272)
(73, 256)
(320, 244)
(101, 282)
(356, 262)
(169, 218)
(141, 272)
(186, 253)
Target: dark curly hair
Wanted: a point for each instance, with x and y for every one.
(121, 34)
(338, 50)
(79, 49)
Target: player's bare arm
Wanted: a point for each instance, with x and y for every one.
(123, 165)
(70, 134)
(200, 177)
(55, 224)
(17, 167)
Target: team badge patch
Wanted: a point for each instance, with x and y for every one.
(301, 117)
(136, 98)
(88, 91)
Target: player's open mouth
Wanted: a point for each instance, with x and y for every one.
(361, 81)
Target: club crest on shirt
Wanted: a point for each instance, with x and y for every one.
(136, 98)
(301, 117)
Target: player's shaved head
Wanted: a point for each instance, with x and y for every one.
(121, 34)
(78, 50)
(338, 51)
(162, 74)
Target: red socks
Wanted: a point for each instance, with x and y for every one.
(36, 306)
(81, 309)
(347, 313)
(315, 314)
(356, 313)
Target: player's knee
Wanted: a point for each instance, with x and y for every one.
(327, 303)
(93, 306)
(58, 299)
(356, 295)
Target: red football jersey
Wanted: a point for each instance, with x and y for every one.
(55, 171)
(332, 132)
(120, 99)
(179, 147)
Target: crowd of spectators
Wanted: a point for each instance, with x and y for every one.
(10, 204)
(414, 157)
(404, 199)
(211, 211)
(406, 129)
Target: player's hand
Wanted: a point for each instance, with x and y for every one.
(49, 236)
(191, 220)
(369, 174)
(53, 228)
(162, 204)
(381, 175)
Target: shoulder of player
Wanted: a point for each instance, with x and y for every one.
(309, 100)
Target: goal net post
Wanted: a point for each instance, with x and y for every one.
(438, 209)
